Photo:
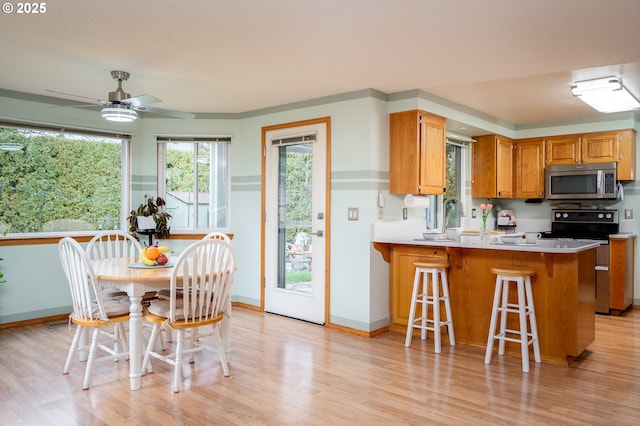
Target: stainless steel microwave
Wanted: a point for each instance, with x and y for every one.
(581, 182)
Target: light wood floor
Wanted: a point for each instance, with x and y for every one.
(287, 372)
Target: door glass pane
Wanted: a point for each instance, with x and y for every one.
(295, 179)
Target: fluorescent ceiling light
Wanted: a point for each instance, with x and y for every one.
(605, 94)
(119, 113)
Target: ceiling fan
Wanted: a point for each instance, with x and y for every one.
(122, 107)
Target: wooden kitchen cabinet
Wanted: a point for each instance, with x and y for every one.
(417, 153)
(621, 274)
(563, 292)
(492, 167)
(402, 275)
(562, 150)
(529, 168)
(627, 155)
(600, 147)
(597, 147)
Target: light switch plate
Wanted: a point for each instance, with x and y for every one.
(628, 213)
(353, 213)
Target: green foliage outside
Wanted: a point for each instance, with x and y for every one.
(298, 276)
(298, 195)
(180, 171)
(59, 177)
(452, 176)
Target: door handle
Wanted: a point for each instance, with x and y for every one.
(319, 233)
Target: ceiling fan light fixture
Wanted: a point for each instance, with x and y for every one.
(605, 94)
(119, 113)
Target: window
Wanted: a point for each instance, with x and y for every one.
(454, 181)
(194, 179)
(61, 180)
(455, 158)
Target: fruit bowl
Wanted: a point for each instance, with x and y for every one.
(155, 255)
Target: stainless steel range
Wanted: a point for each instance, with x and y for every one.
(589, 225)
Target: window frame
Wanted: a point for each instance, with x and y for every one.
(161, 142)
(125, 171)
(434, 214)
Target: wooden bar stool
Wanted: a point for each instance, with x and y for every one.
(525, 310)
(434, 273)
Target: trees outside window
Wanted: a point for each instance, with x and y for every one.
(59, 181)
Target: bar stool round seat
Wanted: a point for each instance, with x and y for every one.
(528, 333)
(429, 278)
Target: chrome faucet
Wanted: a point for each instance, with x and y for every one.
(444, 211)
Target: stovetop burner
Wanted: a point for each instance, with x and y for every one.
(583, 224)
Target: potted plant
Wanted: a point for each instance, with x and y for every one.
(150, 210)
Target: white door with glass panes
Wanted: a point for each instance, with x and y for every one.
(295, 221)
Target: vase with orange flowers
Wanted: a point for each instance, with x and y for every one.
(485, 211)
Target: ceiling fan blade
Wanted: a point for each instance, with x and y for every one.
(137, 101)
(99, 101)
(171, 113)
(78, 106)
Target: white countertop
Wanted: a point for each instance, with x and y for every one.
(542, 246)
(623, 235)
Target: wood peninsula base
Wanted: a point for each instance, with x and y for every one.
(563, 293)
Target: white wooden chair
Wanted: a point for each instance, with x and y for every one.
(91, 311)
(226, 330)
(113, 245)
(163, 293)
(205, 272)
(217, 235)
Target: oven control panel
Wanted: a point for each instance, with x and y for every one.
(585, 216)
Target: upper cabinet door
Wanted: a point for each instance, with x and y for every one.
(504, 167)
(627, 155)
(492, 167)
(416, 153)
(563, 150)
(433, 154)
(404, 152)
(529, 168)
(600, 147)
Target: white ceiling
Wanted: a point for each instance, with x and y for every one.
(510, 59)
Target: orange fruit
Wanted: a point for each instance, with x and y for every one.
(152, 253)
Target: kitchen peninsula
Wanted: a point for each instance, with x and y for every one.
(563, 288)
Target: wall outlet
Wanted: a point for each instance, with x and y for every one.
(353, 213)
(628, 213)
(473, 213)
